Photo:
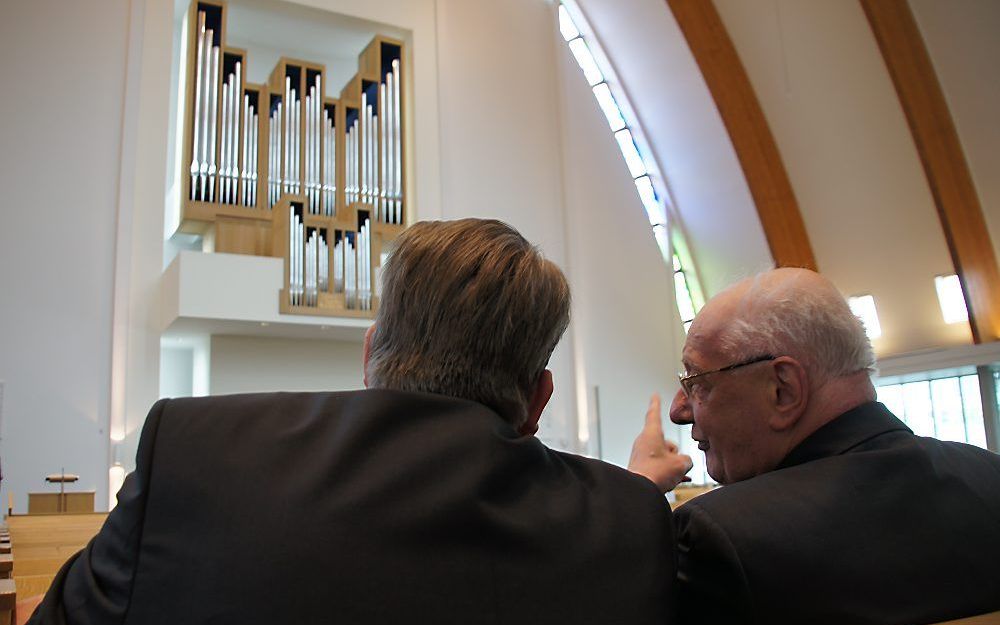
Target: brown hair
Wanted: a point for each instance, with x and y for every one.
(469, 309)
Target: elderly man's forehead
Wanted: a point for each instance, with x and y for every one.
(717, 313)
(702, 341)
(747, 298)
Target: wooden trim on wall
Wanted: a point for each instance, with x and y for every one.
(748, 130)
(944, 161)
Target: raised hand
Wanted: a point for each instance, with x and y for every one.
(656, 458)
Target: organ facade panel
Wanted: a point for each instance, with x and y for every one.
(285, 169)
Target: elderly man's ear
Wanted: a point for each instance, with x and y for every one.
(539, 398)
(790, 393)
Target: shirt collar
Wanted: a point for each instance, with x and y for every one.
(844, 433)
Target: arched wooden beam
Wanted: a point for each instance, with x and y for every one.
(944, 161)
(748, 130)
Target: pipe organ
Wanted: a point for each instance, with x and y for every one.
(282, 169)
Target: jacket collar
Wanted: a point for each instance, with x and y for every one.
(844, 433)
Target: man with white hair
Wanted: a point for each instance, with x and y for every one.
(833, 511)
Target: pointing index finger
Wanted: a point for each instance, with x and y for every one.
(653, 419)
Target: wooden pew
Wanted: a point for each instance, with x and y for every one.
(686, 492)
(32, 585)
(8, 602)
(8, 592)
(993, 618)
(41, 544)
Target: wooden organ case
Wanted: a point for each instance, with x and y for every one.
(281, 169)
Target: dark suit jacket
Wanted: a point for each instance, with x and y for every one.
(366, 507)
(864, 522)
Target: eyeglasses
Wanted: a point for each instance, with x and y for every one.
(686, 378)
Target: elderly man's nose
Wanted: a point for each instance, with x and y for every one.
(680, 409)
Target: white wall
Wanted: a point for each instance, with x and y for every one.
(712, 203)
(243, 364)
(961, 38)
(625, 318)
(86, 357)
(838, 123)
(60, 132)
(142, 187)
(500, 151)
(176, 371)
(502, 155)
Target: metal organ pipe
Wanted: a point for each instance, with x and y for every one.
(351, 156)
(287, 134)
(227, 129)
(368, 152)
(397, 217)
(372, 155)
(363, 113)
(249, 171)
(364, 265)
(291, 257)
(277, 121)
(366, 164)
(308, 150)
(356, 154)
(324, 265)
(380, 209)
(245, 129)
(338, 265)
(207, 113)
(315, 142)
(224, 151)
(312, 152)
(329, 163)
(390, 160)
(206, 103)
(213, 117)
(309, 154)
(295, 109)
(254, 161)
(350, 276)
(271, 124)
(296, 252)
(234, 130)
(310, 269)
(196, 152)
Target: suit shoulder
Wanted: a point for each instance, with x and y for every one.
(248, 399)
(617, 480)
(961, 449)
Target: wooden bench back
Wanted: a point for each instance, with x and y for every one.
(41, 544)
(993, 618)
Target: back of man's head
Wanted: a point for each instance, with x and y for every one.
(469, 309)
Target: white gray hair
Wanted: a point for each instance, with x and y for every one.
(789, 317)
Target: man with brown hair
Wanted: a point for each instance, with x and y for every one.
(423, 499)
